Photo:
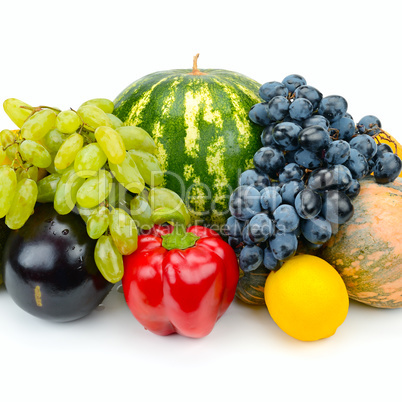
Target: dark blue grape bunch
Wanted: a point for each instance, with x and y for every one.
(305, 175)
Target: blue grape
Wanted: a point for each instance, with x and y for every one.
(308, 203)
(293, 81)
(286, 136)
(258, 114)
(337, 207)
(346, 128)
(269, 261)
(269, 160)
(310, 93)
(307, 159)
(357, 164)
(333, 107)
(316, 120)
(233, 227)
(301, 109)
(383, 149)
(290, 190)
(316, 230)
(370, 125)
(246, 236)
(244, 202)
(260, 228)
(250, 258)
(278, 108)
(314, 138)
(387, 168)
(271, 89)
(236, 243)
(365, 144)
(286, 218)
(337, 153)
(255, 179)
(292, 171)
(283, 245)
(311, 246)
(336, 177)
(266, 136)
(353, 190)
(270, 199)
(290, 156)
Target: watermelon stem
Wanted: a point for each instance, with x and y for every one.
(196, 71)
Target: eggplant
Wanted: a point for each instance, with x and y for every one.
(49, 267)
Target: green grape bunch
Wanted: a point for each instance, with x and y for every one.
(85, 161)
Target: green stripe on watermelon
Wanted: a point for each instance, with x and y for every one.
(203, 134)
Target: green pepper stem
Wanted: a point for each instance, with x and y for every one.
(179, 238)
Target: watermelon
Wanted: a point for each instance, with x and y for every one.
(199, 121)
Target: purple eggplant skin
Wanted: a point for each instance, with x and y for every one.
(49, 268)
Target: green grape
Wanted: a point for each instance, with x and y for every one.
(8, 184)
(65, 196)
(119, 197)
(39, 124)
(68, 122)
(22, 204)
(33, 173)
(15, 112)
(141, 213)
(12, 152)
(53, 140)
(137, 138)
(128, 174)
(89, 160)
(98, 222)
(47, 188)
(111, 143)
(162, 197)
(123, 231)
(95, 189)
(93, 117)
(2, 154)
(27, 171)
(7, 137)
(51, 169)
(116, 122)
(35, 153)
(144, 195)
(85, 213)
(108, 259)
(67, 152)
(104, 104)
(148, 166)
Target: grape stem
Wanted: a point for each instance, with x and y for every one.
(383, 135)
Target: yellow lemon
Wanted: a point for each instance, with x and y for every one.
(307, 298)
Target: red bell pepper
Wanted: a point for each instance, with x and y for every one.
(180, 280)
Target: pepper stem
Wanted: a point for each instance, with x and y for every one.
(178, 238)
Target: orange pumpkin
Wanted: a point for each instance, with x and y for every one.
(367, 250)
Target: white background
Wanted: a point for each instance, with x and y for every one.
(63, 53)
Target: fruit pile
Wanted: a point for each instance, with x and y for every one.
(305, 174)
(84, 161)
(198, 132)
